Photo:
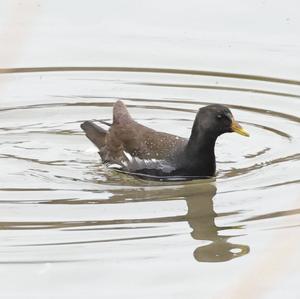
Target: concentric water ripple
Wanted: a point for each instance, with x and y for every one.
(55, 193)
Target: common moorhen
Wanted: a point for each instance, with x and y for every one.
(134, 148)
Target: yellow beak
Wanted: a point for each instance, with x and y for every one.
(236, 127)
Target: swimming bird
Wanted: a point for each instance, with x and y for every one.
(134, 148)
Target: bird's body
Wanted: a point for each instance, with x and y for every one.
(134, 148)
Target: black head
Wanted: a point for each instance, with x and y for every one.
(211, 121)
(215, 120)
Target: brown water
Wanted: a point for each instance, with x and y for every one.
(71, 228)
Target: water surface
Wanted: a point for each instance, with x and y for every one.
(69, 227)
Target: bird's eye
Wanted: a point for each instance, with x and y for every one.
(219, 116)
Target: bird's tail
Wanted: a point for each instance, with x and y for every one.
(95, 133)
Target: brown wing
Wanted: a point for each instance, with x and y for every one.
(127, 135)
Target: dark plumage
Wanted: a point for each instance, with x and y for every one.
(134, 148)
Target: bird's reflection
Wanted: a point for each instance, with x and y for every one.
(215, 245)
(201, 218)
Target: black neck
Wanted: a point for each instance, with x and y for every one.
(199, 154)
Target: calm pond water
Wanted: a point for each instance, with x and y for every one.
(70, 228)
